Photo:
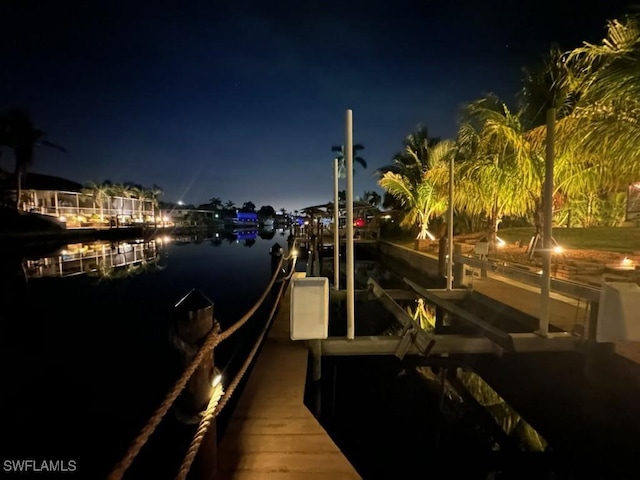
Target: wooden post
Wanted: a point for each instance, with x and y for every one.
(458, 268)
(193, 320)
(315, 347)
(276, 253)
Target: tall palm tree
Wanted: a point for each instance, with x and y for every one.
(154, 193)
(412, 162)
(18, 132)
(495, 172)
(602, 126)
(340, 155)
(229, 205)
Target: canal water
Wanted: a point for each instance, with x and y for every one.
(86, 359)
(86, 351)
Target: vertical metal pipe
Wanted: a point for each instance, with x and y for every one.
(545, 286)
(348, 153)
(450, 228)
(336, 228)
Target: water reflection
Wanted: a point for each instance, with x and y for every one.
(246, 237)
(101, 259)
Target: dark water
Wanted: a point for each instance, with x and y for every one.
(392, 422)
(86, 357)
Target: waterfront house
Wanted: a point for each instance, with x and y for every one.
(66, 200)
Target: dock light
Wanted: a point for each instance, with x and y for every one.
(294, 253)
(626, 262)
(557, 249)
(217, 377)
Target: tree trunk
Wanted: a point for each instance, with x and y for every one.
(18, 188)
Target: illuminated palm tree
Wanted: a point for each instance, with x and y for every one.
(99, 192)
(19, 134)
(422, 200)
(495, 172)
(154, 193)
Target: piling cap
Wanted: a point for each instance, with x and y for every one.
(276, 249)
(192, 301)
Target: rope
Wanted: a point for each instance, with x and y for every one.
(205, 422)
(123, 465)
(216, 406)
(213, 338)
(288, 276)
(236, 326)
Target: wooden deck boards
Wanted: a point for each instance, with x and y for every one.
(272, 435)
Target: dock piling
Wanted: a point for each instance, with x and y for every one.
(193, 321)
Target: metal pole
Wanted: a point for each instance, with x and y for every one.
(336, 228)
(545, 286)
(348, 153)
(450, 229)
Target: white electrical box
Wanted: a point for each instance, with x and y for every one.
(619, 313)
(309, 308)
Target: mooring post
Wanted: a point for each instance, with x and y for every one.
(458, 268)
(315, 347)
(193, 321)
(276, 253)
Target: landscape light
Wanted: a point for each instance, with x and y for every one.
(557, 249)
(217, 377)
(500, 243)
(627, 262)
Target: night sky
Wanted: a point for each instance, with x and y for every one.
(243, 100)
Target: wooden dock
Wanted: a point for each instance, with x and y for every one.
(272, 435)
(566, 314)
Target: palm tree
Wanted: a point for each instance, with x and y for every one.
(249, 207)
(154, 193)
(216, 203)
(99, 192)
(422, 200)
(230, 205)
(496, 174)
(19, 134)
(601, 128)
(339, 150)
(373, 198)
(412, 161)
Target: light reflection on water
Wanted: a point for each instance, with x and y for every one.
(86, 330)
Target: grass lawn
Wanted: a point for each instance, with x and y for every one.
(611, 239)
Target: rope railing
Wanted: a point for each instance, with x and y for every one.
(216, 406)
(219, 398)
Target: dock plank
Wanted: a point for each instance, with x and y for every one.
(272, 435)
